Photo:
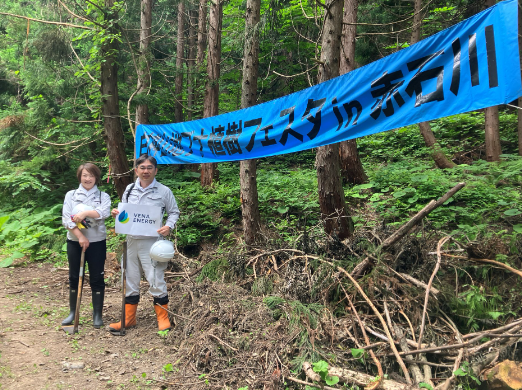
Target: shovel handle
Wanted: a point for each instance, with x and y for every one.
(124, 285)
(80, 289)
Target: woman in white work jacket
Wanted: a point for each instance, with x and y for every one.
(147, 191)
(86, 232)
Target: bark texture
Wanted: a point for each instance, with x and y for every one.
(492, 135)
(178, 82)
(142, 110)
(248, 168)
(202, 32)
(191, 62)
(491, 123)
(425, 129)
(352, 170)
(520, 127)
(200, 49)
(331, 193)
(210, 104)
(110, 108)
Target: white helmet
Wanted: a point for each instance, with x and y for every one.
(162, 251)
(90, 222)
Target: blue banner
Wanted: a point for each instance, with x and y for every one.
(472, 65)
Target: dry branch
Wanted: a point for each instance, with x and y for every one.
(420, 215)
(404, 229)
(492, 332)
(414, 281)
(435, 270)
(385, 327)
(383, 337)
(358, 378)
(367, 342)
(488, 261)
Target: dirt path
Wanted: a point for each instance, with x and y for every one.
(36, 354)
(222, 337)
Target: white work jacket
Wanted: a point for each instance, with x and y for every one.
(100, 201)
(156, 194)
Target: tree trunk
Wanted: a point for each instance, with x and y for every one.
(425, 129)
(248, 174)
(202, 32)
(178, 82)
(492, 135)
(191, 63)
(436, 151)
(519, 127)
(331, 193)
(210, 104)
(491, 123)
(201, 47)
(352, 170)
(142, 110)
(110, 109)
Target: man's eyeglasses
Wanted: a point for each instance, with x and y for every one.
(146, 168)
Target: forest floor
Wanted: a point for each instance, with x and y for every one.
(241, 333)
(36, 354)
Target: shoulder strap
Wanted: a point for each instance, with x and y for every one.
(128, 192)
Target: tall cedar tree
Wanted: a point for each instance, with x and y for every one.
(210, 104)
(191, 62)
(143, 68)
(491, 123)
(352, 170)
(248, 169)
(425, 129)
(331, 194)
(110, 108)
(178, 83)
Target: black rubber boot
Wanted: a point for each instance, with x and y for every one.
(97, 308)
(73, 297)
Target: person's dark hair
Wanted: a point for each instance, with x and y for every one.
(92, 169)
(145, 157)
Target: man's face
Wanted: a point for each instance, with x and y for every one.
(146, 171)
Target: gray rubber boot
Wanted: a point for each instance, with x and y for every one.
(73, 297)
(97, 308)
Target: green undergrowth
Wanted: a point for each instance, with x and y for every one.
(402, 180)
(491, 196)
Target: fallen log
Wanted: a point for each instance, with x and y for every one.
(404, 229)
(355, 377)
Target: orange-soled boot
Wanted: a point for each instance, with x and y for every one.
(162, 316)
(130, 318)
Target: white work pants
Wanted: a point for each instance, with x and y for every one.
(138, 261)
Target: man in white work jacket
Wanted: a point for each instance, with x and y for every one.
(147, 191)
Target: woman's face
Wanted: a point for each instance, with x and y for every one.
(88, 180)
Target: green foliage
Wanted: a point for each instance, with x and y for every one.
(475, 304)
(27, 231)
(359, 354)
(168, 367)
(321, 367)
(213, 270)
(405, 187)
(163, 334)
(466, 375)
